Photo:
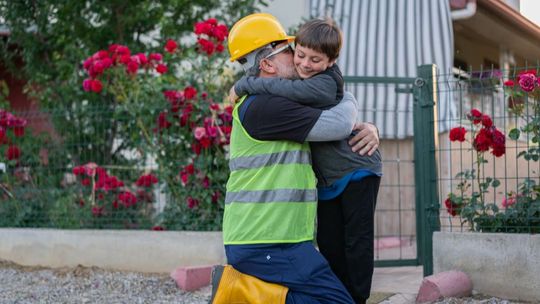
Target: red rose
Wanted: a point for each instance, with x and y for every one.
(451, 208)
(206, 182)
(205, 142)
(498, 143)
(132, 67)
(202, 28)
(196, 148)
(97, 211)
(161, 68)
(127, 198)
(509, 83)
(171, 46)
(457, 134)
(220, 48)
(192, 202)
(206, 46)
(13, 152)
(483, 141)
(156, 57)
(18, 131)
(163, 123)
(486, 121)
(85, 182)
(190, 92)
(79, 170)
(142, 59)
(146, 180)
(96, 86)
(475, 116)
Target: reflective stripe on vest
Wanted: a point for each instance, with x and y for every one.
(257, 161)
(267, 196)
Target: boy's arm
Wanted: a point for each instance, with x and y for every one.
(318, 91)
(335, 123)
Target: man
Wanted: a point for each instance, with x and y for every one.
(270, 205)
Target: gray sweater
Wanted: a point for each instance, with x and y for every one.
(332, 160)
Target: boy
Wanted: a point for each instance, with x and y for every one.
(347, 182)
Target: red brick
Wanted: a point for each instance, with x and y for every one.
(192, 277)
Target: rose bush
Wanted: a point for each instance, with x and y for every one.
(182, 134)
(485, 137)
(520, 210)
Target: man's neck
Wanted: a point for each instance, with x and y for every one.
(264, 74)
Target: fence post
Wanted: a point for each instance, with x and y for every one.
(425, 163)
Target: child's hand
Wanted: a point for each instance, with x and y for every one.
(232, 98)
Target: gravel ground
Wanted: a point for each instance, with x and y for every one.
(23, 285)
(90, 285)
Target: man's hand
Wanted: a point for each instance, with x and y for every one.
(232, 96)
(366, 140)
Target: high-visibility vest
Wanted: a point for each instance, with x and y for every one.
(271, 192)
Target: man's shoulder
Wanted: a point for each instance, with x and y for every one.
(270, 102)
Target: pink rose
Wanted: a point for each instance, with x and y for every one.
(527, 82)
(199, 133)
(87, 85)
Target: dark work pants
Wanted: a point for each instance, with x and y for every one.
(298, 266)
(345, 235)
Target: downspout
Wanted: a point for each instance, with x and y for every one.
(467, 12)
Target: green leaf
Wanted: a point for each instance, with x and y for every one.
(496, 183)
(514, 134)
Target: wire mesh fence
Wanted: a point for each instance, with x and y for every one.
(488, 162)
(90, 167)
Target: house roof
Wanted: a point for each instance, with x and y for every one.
(497, 24)
(511, 16)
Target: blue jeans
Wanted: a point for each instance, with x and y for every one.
(298, 266)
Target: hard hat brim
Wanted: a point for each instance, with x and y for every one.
(238, 56)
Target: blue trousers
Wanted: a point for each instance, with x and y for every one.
(298, 266)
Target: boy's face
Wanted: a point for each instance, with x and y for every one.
(309, 62)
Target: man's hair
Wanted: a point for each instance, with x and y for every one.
(255, 70)
(257, 56)
(321, 35)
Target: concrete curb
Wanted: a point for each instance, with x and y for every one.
(444, 284)
(130, 250)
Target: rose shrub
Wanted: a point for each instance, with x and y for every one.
(182, 134)
(521, 208)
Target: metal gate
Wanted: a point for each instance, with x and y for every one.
(407, 210)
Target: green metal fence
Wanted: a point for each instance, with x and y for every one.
(429, 182)
(489, 164)
(407, 195)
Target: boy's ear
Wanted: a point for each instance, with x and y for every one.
(332, 62)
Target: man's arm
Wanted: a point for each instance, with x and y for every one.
(318, 91)
(270, 117)
(335, 123)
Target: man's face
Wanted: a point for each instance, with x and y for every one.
(283, 61)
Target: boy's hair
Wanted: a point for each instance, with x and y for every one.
(321, 35)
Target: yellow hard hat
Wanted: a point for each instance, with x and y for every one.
(254, 31)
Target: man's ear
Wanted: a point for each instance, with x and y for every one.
(267, 66)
